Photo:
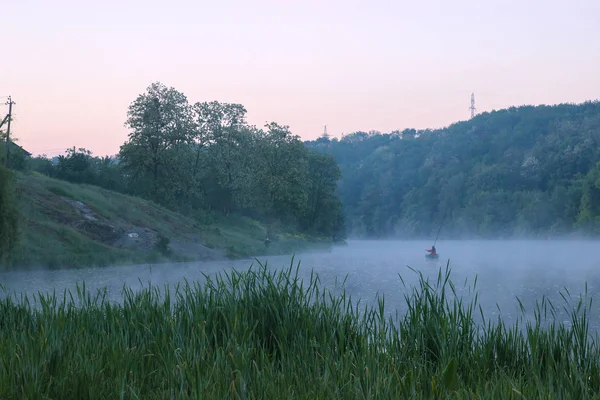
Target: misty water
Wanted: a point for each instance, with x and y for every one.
(505, 270)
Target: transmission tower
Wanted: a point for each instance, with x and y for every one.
(472, 108)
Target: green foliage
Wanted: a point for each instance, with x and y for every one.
(43, 165)
(9, 215)
(589, 211)
(54, 233)
(271, 334)
(211, 159)
(162, 245)
(324, 209)
(203, 158)
(519, 171)
(17, 159)
(161, 124)
(80, 166)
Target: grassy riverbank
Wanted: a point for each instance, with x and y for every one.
(69, 225)
(260, 334)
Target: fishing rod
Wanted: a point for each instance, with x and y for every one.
(439, 230)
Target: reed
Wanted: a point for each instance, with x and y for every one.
(260, 333)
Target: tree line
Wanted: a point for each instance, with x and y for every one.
(9, 214)
(204, 158)
(521, 171)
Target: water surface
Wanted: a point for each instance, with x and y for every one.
(505, 270)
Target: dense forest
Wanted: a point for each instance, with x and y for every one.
(204, 158)
(522, 171)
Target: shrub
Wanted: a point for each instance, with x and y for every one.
(9, 214)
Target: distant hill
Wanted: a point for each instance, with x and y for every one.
(521, 171)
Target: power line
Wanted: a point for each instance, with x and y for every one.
(54, 150)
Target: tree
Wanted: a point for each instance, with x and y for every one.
(324, 209)
(284, 168)
(523, 170)
(8, 215)
(17, 159)
(589, 209)
(222, 135)
(207, 158)
(43, 165)
(76, 166)
(161, 122)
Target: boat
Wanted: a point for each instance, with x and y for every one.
(436, 255)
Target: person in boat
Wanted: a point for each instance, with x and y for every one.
(432, 251)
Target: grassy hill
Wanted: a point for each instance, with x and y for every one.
(68, 225)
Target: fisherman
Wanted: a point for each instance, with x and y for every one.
(431, 251)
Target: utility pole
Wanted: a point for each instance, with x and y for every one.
(10, 104)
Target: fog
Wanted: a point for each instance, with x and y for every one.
(505, 270)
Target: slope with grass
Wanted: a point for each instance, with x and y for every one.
(69, 225)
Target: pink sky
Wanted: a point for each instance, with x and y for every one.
(352, 65)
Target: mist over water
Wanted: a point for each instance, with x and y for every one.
(505, 270)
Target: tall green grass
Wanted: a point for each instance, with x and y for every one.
(261, 333)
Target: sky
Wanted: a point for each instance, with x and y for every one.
(73, 67)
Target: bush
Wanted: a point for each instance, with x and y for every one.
(162, 245)
(9, 215)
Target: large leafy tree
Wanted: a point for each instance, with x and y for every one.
(323, 212)
(162, 126)
(284, 168)
(223, 137)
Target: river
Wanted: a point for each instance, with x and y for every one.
(505, 270)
